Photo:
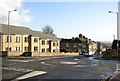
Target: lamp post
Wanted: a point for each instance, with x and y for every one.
(113, 37)
(117, 35)
(117, 23)
(9, 30)
(117, 30)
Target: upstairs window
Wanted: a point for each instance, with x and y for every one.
(35, 39)
(26, 39)
(43, 42)
(9, 39)
(53, 44)
(17, 39)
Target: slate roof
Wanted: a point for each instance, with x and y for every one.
(15, 29)
(25, 31)
(44, 36)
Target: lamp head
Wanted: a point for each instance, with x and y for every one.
(15, 10)
(110, 11)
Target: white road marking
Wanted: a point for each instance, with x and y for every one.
(43, 62)
(117, 67)
(16, 69)
(47, 64)
(78, 66)
(93, 64)
(84, 65)
(76, 59)
(31, 74)
(21, 60)
(68, 62)
(41, 59)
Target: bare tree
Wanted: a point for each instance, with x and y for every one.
(48, 30)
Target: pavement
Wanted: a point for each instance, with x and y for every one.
(115, 76)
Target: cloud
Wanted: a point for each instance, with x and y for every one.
(18, 17)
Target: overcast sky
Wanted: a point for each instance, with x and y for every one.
(68, 19)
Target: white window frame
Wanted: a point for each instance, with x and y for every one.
(43, 49)
(43, 42)
(8, 38)
(26, 49)
(35, 48)
(17, 39)
(35, 39)
(17, 48)
(26, 39)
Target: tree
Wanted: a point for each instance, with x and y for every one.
(114, 44)
(48, 30)
(80, 35)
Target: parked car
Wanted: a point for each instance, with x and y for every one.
(88, 54)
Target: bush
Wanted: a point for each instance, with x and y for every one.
(111, 56)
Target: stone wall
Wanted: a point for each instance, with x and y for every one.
(14, 53)
(35, 54)
(54, 54)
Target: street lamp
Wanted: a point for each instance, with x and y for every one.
(117, 24)
(117, 34)
(117, 30)
(9, 29)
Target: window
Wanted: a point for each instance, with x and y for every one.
(17, 49)
(43, 42)
(8, 49)
(17, 39)
(9, 39)
(53, 50)
(26, 39)
(43, 50)
(25, 48)
(35, 39)
(48, 50)
(35, 48)
(53, 44)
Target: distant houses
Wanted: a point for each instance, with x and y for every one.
(23, 40)
(82, 45)
(70, 45)
(79, 44)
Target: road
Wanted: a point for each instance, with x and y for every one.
(44, 68)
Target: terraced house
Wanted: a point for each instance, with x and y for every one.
(23, 40)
